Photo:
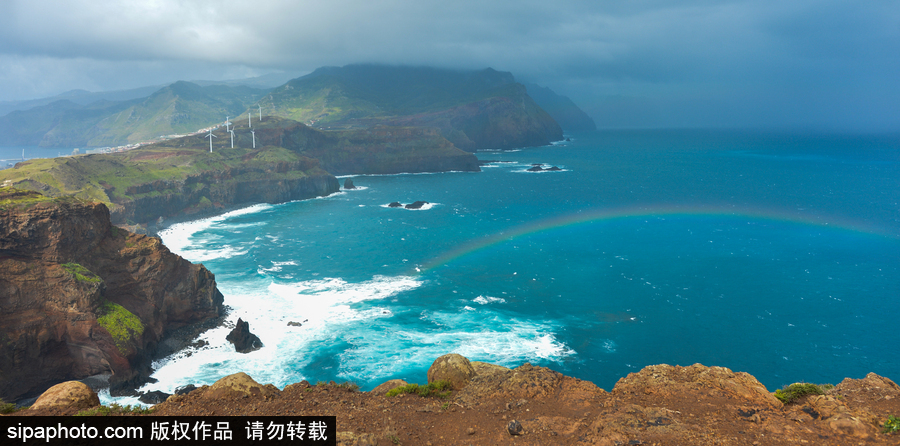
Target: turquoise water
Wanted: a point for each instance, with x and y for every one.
(772, 254)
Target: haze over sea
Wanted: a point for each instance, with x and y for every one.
(773, 254)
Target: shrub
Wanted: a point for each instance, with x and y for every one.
(892, 425)
(795, 391)
(7, 407)
(440, 389)
(81, 273)
(115, 409)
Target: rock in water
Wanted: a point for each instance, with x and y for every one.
(348, 184)
(243, 340)
(154, 397)
(395, 204)
(554, 168)
(416, 205)
(535, 169)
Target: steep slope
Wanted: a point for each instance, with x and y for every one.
(81, 297)
(561, 108)
(475, 110)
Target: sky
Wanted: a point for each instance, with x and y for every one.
(793, 64)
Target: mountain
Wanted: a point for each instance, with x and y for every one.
(474, 110)
(81, 97)
(179, 108)
(561, 108)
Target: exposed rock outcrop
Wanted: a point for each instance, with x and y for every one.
(530, 405)
(243, 340)
(348, 184)
(451, 367)
(81, 297)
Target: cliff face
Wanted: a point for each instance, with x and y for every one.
(502, 122)
(81, 297)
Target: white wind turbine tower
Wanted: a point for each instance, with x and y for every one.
(260, 111)
(232, 137)
(210, 136)
(254, 138)
(249, 115)
(226, 124)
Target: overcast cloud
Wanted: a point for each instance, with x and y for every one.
(798, 63)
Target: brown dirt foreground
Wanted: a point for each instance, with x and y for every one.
(660, 405)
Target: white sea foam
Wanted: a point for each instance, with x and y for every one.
(484, 300)
(179, 237)
(323, 307)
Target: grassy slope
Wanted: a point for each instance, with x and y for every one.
(107, 177)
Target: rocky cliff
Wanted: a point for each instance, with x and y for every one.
(81, 297)
(469, 402)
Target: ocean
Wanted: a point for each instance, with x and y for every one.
(775, 254)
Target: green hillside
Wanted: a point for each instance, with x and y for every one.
(179, 108)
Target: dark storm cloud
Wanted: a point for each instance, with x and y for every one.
(629, 63)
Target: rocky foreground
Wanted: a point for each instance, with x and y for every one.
(528, 405)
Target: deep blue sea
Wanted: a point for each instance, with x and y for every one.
(774, 254)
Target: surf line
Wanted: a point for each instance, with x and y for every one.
(601, 215)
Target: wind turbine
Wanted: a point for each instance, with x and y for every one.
(23, 154)
(210, 136)
(249, 114)
(254, 138)
(226, 124)
(232, 137)
(260, 111)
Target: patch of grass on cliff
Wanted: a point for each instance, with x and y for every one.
(795, 391)
(115, 409)
(122, 324)
(439, 389)
(10, 196)
(81, 273)
(892, 425)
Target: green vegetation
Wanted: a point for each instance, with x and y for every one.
(7, 407)
(795, 391)
(892, 425)
(115, 409)
(394, 439)
(122, 324)
(81, 273)
(11, 197)
(439, 389)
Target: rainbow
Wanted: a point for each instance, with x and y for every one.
(604, 215)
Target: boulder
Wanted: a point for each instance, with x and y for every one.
(243, 340)
(451, 367)
(515, 428)
(395, 204)
(416, 205)
(554, 169)
(484, 368)
(535, 169)
(387, 386)
(70, 394)
(239, 383)
(348, 184)
(294, 324)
